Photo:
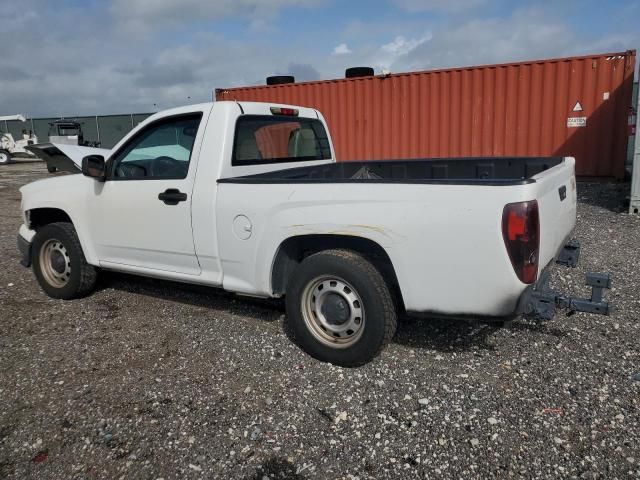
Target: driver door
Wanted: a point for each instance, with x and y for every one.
(143, 210)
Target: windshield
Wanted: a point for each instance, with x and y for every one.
(273, 139)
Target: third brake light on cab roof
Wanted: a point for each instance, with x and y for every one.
(289, 112)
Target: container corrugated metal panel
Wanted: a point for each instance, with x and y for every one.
(496, 110)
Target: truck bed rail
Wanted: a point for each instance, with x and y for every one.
(460, 171)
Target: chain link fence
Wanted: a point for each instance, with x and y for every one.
(105, 129)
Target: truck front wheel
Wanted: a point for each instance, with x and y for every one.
(5, 157)
(339, 308)
(59, 263)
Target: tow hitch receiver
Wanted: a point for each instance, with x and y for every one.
(542, 301)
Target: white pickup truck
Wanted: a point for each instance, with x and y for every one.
(248, 197)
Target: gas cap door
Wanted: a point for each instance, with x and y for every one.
(242, 227)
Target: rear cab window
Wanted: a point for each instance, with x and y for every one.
(265, 139)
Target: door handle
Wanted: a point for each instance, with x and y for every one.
(172, 196)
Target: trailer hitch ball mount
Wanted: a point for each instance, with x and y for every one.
(543, 301)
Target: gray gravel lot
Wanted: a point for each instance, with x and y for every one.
(147, 379)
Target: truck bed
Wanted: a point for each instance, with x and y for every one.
(453, 227)
(458, 171)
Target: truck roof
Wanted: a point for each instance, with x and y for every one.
(252, 108)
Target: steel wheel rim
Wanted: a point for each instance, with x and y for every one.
(55, 263)
(4, 157)
(324, 303)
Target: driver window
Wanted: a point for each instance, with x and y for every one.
(162, 150)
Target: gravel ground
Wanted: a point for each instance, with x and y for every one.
(147, 379)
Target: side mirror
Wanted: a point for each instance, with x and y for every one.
(94, 166)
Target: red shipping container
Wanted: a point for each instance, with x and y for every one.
(569, 106)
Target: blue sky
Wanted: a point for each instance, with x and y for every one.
(73, 57)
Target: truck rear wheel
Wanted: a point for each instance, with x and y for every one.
(59, 263)
(5, 157)
(339, 308)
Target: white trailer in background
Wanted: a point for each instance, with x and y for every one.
(10, 147)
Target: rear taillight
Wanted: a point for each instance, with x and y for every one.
(521, 233)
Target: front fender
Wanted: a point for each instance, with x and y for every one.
(67, 194)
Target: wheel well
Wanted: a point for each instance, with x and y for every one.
(39, 217)
(295, 249)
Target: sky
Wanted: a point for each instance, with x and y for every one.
(94, 57)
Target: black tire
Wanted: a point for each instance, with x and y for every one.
(51, 169)
(379, 319)
(280, 79)
(80, 278)
(355, 72)
(5, 157)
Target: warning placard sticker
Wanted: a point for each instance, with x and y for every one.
(575, 122)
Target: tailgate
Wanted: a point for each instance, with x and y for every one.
(557, 200)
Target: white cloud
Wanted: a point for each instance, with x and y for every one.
(401, 46)
(392, 53)
(87, 65)
(16, 15)
(149, 15)
(342, 49)
(438, 5)
(132, 76)
(527, 34)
